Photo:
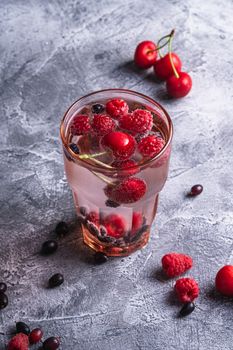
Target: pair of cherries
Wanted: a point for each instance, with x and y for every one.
(167, 67)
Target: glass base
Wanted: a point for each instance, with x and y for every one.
(113, 250)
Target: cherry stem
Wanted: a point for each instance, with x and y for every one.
(170, 54)
(87, 156)
(159, 47)
(92, 157)
(103, 178)
(161, 39)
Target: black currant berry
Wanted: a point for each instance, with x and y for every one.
(3, 301)
(97, 108)
(3, 287)
(56, 280)
(62, 229)
(187, 309)
(100, 258)
(49, 247)
(22, 327)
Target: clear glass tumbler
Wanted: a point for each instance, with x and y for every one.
(112, 228)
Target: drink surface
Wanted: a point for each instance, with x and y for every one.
(113, 171)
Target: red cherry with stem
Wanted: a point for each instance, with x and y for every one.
(179, 87)
(179, 84)
(163, 68)
(145, 54)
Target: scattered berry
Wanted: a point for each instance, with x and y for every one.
(18, 342)
(56, 280)
(3, 301)
(22, 327)
(187, 309)
(49, 247)
(100, 258)
(151, 145)
(116, 108)
(80, 125)
(97, 108)
(62, 228)
(196, 190)
(137, 221)
(93, 216)
(175, 264)
(224, 280)
(128, 191)
(3, 287)
(163, 68)
(115, 225)
(138, 122)
(102, 124)
(111, 204)
(35, 336)
(51, 343)
(187, 289)
(74, 148)
(179, 87)
(126, 168)
(145, 54)
(121, 145)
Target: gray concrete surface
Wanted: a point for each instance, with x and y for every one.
(52, 52)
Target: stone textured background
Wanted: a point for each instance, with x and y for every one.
(51, 53)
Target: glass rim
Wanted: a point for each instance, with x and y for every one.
(145, 163)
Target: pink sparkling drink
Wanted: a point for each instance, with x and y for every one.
(114, 176)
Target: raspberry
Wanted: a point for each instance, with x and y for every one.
(129, 166)
(187, 289)
(120, 144)
(224, 280)
(138, 122)
(137, 221)
(115, 225)
(116, 108)
(175, 264)
(80, 125)
(128, 191)
(150, 145)
(19, 342)
(102, 124)
(93, 216)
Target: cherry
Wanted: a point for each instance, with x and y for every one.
(163, 67)
(145, 54)
(35, 336)
(121, 145)
(224, 280)
(179, 87)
